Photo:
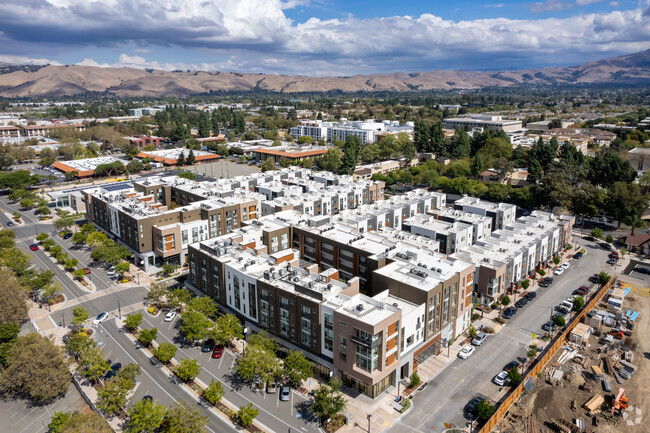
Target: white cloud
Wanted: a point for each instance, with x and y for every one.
(256, 36)
(613, 4)
(549, 5)
(93, 62)
(587, 2)
(23, 60)
(495, 5)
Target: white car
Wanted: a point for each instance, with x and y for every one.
(100, 318)
(170, 316)
(466, 352)
(501, 378)
(566, 265)
(559, 271)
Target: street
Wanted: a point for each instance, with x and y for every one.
(444, 398)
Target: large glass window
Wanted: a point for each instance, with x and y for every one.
(329, 332)
(367, 358)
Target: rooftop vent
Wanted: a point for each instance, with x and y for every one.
(360, 307)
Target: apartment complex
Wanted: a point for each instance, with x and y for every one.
(367, 131)
(502, 214)
(482, 122)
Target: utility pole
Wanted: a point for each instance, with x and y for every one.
(119, 310)
(369, 416)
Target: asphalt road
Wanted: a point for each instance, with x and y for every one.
(444, 398)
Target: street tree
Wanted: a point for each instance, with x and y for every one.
(13, 299)
(71, 263)
(93, 364)
(78, 342)
(558, 320)
(257, 362)
(484, 410)
(178, 298)
(133, 321)
(122, 267)
(625, 201)
(603, 277)
(191, 159)
(578, 303)
(214, 392)
(228, 328)
(328, 400)
(165, 352)
(113, 395)
(79, 274)
(268, 165)
(181, 418)
(515, 376)
(145, 416)
(331, 161)
(350, 154)
(195, 325)
(246, 415)
(147, 336)
(297, 368)
(76, 422)
(203, 305)
(35, 368)
(79, 314)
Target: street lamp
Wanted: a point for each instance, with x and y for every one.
(244, 341)
(119, 310)
(369, 416)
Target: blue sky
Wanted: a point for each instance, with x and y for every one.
(321, 37)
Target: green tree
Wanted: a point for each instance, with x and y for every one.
(214, 392)
(113, 395)
(188, 369)
(635, 222)
(79, 238)
(181, 418)
(578, 303)
(305, 139)
(246, 415)
(484, 410)
(515, 376)
(181, 159)
(597, 232)
(77, 343)
(92, 363)
(328, 400)
(79, 274)
(187, 175)
(26, 203)
(228, 328)
(169, 268)
(350, 154)
(79, 315)
(147, 336)
(71, 263)
(191, 159)
(268, 165)
(205, 124)
(122, 267)
(135, 166)
(505, 301)
(257, 362)
(331, 161)
(558, 320)
(133, 321)
(608, 168)
(145, 416)
(58, 421)
(625, 201)
(297, 368)
(525, 284)
(42, 237)
(195, 325)
(76, 422)
(603, 277)
(165, 352)
(203, 305)
(35, 368)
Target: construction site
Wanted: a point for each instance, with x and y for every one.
(597, 381)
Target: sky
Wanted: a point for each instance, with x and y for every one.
(321, 37)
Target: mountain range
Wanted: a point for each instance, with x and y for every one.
(50, 81)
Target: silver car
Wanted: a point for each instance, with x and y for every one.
(479, 339)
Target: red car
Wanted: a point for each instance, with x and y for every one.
(33, 247)
(87, 270)
(218, 351)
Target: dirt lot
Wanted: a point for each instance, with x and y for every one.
(553, 401)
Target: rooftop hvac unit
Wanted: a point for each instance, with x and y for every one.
(360, 307)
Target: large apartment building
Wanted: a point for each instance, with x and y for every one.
(368, 131)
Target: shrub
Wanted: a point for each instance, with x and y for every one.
(213, 392)
(484, 410)
(415, 379)
(79, 274)
(525, 284)
(475, 316)
(406, 404)
(578, 303)
(472, 331)
(609, 239)
(532, 351)
(488, 330)
(559, 321)
(604, 277)
(542, 272)
(597, 232)
(246, 415)
(505, 301)
(187, 369)
(515, 376)
(556, 260)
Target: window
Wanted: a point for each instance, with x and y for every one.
(328, 340)
(367, 358)
(284, 321)
(343, 356)
(305, 325)
(343, 343)
(306, 311)
(285, 241)
(252, 301)
(236, 287)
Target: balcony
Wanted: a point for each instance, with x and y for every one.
(362, 341)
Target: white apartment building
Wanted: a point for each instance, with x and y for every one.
(482, 121)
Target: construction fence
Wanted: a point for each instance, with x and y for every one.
(548, 353)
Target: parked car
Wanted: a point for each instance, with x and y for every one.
(546, 281)
(590, 238)
(33, 247)
(521, 302)
(549, 326)
(566, 265)
(100, 318)
(87, 270)
(479, 339)
(466, 352)
(67, 235)
(170, 316)
(113, 370)
(208, 346)
(605, 245)
(285, 393)
(582, 291)
(218, 351)
(271, 387)
(559, 271)
(10, 224)
(594, 279)
(614, 255)
(531, 295)
(612, 261)
(577, 255)
(512, 364)
(501, 378)
(509, 312)
(471, 406)
(645, 271)
(563, 309)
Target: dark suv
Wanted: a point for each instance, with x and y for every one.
(546, 282)
(509, 312)
(521, 302)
